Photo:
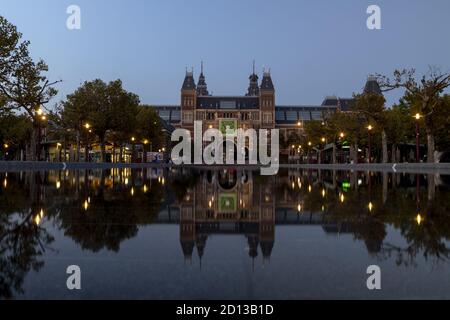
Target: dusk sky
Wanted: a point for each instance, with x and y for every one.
(313, 48)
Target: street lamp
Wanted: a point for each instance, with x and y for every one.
(342, 135)
(6, 146)
(324, 140)
(370, 128)
(418, 116)
(87, 126)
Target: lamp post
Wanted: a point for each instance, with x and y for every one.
(86, 151)
(324, 140)
(341, 137)
(369, 128)
(133, 147)
(418, 116)
(309, 150)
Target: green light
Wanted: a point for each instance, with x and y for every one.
(346, 185)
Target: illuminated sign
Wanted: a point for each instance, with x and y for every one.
(227, 202)
(228, 127)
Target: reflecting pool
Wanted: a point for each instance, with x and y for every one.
(223, 234)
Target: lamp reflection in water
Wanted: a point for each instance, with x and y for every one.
(419, 219)
(86, 205)
(38, 218)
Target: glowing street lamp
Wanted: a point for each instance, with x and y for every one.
(6, 146)
(418, 116)
(342, 135)
(370, 128)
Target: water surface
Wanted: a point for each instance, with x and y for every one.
(223, 234)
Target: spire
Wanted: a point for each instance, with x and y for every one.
(253, 89)
(202, 88)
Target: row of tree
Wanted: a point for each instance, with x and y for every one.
(96, 112)
(423, 106)
(107, 113)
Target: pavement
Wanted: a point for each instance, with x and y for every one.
(438, 168)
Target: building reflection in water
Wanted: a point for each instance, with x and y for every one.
(99, 210)
(228, 201)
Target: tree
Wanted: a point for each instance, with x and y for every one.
(15, 132)
(149, 126)
(22, 81)
(399, 127)
(103, 109)
(425, 96)
(371, 107)
(349, 124)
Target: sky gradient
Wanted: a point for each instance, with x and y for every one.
(314, 48)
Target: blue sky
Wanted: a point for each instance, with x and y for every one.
(314, 48)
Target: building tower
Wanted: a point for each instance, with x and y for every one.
(372, 86)
(202, 88)
(253, 89)
(267, 101)
(188, 101)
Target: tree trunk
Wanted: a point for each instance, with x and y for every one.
(354, 153)
(394, 153)
(384, 147)
(34, 142)
(121, 153)
(102, 146)
(334, 154)
(86, 152)
(78, 147)
(431, 148)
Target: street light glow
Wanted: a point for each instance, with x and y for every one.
(418, 116)
(370, 127)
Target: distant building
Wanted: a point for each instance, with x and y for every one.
(256, 108)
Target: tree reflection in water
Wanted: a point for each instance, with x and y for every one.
(99, 210)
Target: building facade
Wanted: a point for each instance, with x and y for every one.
(256, 108)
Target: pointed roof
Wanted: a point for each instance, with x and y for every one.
(267, 83)
(372, 86)
(202, 88)
(189, 82)
(253, 88)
